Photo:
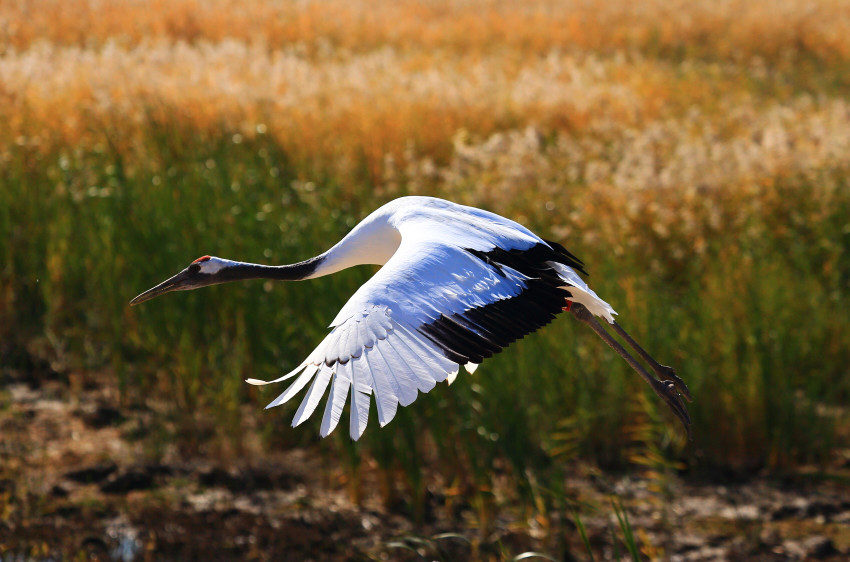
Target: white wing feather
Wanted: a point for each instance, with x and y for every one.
(313, 396)
(386, 399)
(295, 387)
(360, 392)
(333, 409)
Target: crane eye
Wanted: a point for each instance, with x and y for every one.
(194, 268)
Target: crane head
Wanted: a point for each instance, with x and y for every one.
(206, 270)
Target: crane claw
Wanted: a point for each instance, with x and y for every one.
(666, 389)
(669, 373)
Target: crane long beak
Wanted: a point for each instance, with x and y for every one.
(179, 282)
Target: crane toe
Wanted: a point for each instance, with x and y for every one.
(669, 373)
(667, 391)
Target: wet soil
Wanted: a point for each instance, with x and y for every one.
(76, 482)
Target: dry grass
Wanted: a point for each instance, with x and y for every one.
(662, 124)
(739, 152)
(731, 28)
(349, 83)
(367, 105)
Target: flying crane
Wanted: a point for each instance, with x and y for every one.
(458, 284)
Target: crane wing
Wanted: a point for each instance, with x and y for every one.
(443, 300)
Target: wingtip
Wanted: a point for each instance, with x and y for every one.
(296, 422)
(276, 402)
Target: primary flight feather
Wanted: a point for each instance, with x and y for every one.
(458, 284)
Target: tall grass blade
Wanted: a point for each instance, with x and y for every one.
(626, 529)
(583, 534)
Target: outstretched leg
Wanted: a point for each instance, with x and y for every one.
(662, 371)
(665, 389)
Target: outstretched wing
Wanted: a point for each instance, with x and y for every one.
(443, 300)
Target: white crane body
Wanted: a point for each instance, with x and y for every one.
(457, 284)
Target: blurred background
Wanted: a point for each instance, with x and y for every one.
(695, 155)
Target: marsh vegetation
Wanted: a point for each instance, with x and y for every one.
(694, 155)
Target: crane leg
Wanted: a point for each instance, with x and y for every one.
(664, 389)
(663, 371)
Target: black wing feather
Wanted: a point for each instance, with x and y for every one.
(478, 333)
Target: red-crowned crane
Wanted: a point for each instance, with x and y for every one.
(458, 284)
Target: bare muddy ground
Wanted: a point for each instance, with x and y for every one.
(75, 484)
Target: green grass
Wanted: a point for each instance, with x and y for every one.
(756, 324)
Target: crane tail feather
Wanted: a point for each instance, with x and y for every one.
(583, 294)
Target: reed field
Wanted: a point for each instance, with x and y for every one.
(695, 155)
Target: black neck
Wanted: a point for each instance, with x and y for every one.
(294, 272)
